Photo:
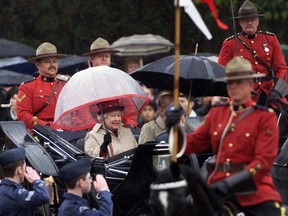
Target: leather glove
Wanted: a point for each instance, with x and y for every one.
(172, 117)
(221, 189)
(106, 142)
(274, 95)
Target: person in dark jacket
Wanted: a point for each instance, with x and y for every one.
(15, 200)
(78, 180)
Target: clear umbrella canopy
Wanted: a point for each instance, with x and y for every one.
(77, 107)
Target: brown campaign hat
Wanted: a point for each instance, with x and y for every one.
(100, 45)
(239, 68)
(46, 50)
(247, 10)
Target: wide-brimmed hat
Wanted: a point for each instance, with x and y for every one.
(100, 45)
(247, 10)
(109, 106)
(240, 68)
(46, 50)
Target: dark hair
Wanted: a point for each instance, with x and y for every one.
(191, 98)
(165, 100)
(153, 105)
(71, 184)
(9, 170)
(11, 92)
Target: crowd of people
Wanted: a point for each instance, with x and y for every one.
(240, 130)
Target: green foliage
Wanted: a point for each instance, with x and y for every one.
(72, 25)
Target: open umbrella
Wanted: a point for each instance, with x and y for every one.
(18, 64)
(77, 108)
(72, 64)
(14, 48)
(142, 45)
(13, 78)
(197, 74)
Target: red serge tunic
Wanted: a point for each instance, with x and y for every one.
(252, 141)
(267, 48)
(33, 95)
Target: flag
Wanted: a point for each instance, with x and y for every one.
(213, 9)
(193, 13)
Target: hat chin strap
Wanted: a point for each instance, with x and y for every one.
(171, 142)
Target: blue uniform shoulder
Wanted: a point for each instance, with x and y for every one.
(267, 33)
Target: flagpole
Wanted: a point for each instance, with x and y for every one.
(234, 27)
(176, 76)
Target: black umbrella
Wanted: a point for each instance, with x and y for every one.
(72, 64)
(13, 78)
(13, 48)
(18, 64)
(197, 74)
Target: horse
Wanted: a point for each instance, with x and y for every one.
(178, 190)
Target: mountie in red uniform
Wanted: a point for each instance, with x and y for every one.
(251, 142)
(267, 47)
(33, 95)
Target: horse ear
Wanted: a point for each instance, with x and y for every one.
(175, 170)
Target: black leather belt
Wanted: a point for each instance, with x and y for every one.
(226, 167)
(262, 79)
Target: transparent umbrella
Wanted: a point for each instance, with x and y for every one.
(77, 108)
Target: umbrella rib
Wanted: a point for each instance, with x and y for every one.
(209, 69)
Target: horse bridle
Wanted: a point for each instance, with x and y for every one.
(169, 186)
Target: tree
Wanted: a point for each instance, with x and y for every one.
(72, 25)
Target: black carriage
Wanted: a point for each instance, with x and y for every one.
(128, 174)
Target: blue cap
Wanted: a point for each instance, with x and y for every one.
(11, 156)
(74, 169)
(171, 107)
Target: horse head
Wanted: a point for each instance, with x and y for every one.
(178, 190)
(169, 193)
